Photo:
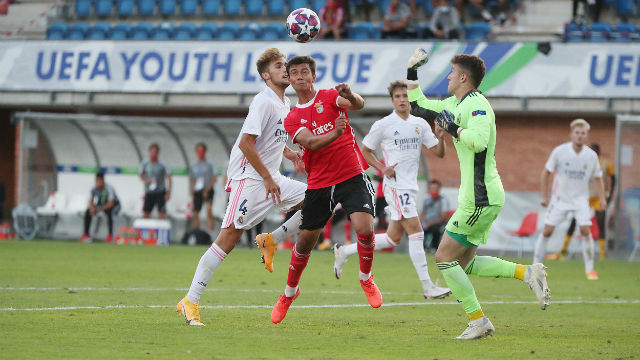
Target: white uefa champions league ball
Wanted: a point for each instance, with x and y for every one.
(303, 25)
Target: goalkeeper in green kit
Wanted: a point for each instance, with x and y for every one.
(469, 118)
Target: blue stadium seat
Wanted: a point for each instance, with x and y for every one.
(599, 31)
(574, 32)
(83, 8)
(57, 31)
(361, 31)
(125, 7)
(254, 7)
(78, 31)
(273, 31)
(296, 4)
(317, 5)
(185, 31)
(103, 7)
(232, 7)
(146, 7)
(120, 31)
(99, 31)
(142, 31)
(167, 7)
(188, 7)
(276, 7)
(250, 31)
(163, 31)
(211, 7)
(478, 31)
(624, 7)
(207, 31)
(228, 31)
(383, 5)
(624, 32)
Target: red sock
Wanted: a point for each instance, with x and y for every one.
(347, 231)
(366, 244)
(296, 267)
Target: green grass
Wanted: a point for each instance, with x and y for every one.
(102, 275)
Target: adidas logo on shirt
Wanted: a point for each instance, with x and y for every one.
(279, 122)
(396, 133)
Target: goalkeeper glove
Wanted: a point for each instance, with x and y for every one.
(446, 120)
(419, 58)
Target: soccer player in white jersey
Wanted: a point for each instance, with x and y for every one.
(254, 180)
(573, 165)
(402, 137)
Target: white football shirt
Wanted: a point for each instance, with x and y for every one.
(573, 171)
(401, 143)
(266, 120)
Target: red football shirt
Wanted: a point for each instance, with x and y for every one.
(336, 162)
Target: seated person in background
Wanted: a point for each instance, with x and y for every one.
(332, 18)
(153, 174)
(445, 22)
(397, 20)
(202, 178)
(103, 200)
(434, 214)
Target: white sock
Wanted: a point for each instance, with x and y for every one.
(382, 242)
(419, 259)
(541, 249)
(290, 291)
(588, 249)
(288, 228)
(207, 266)
(364, 276)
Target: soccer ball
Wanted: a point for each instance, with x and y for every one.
(303, 25)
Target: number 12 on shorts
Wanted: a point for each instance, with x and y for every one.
(404, 201)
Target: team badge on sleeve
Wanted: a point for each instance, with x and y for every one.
(478, 112)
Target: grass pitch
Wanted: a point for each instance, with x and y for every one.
(96, 301)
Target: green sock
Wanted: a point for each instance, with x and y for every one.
(460, 285)
(489, 266)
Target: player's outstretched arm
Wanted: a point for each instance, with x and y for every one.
(310, 141)
(349, 99)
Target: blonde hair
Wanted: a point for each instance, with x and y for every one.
(580, 122)
(269, 55)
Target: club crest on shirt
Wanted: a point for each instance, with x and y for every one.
(319, 107)
(417, 131)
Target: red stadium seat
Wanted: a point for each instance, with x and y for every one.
(528, 227)
(4, 7)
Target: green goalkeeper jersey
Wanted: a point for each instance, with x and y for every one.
(480, 184)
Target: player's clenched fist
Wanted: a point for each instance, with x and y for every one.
(344, 90)
(341, 123)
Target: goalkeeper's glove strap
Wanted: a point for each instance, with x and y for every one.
(412, 74)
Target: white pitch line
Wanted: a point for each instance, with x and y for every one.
(322, 306)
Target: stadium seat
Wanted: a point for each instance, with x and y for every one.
(232, 7)
(361, 31)
(4, 7)
(599, 31)
(383, 5)
(478, 31)
(103, 7)
(125, 7)
(296, 4)
(99, 31)
(206, 31)
(250, 31)
(254, 7)
(528, 227)
(211, 7)
(146, 7)
(276, 7)
(57, 31)
(185, 31)
(120, 31)
(624, 7)
(624, 32)
(228, 31)
(273, 31)
(163, 31)
(78, 31)
(188, 7)
(574, 32)
(83, 8)
(167, 7)
(142, 31)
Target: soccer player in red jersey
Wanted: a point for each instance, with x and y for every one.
(335, 168)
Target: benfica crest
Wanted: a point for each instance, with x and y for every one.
(319, 107)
